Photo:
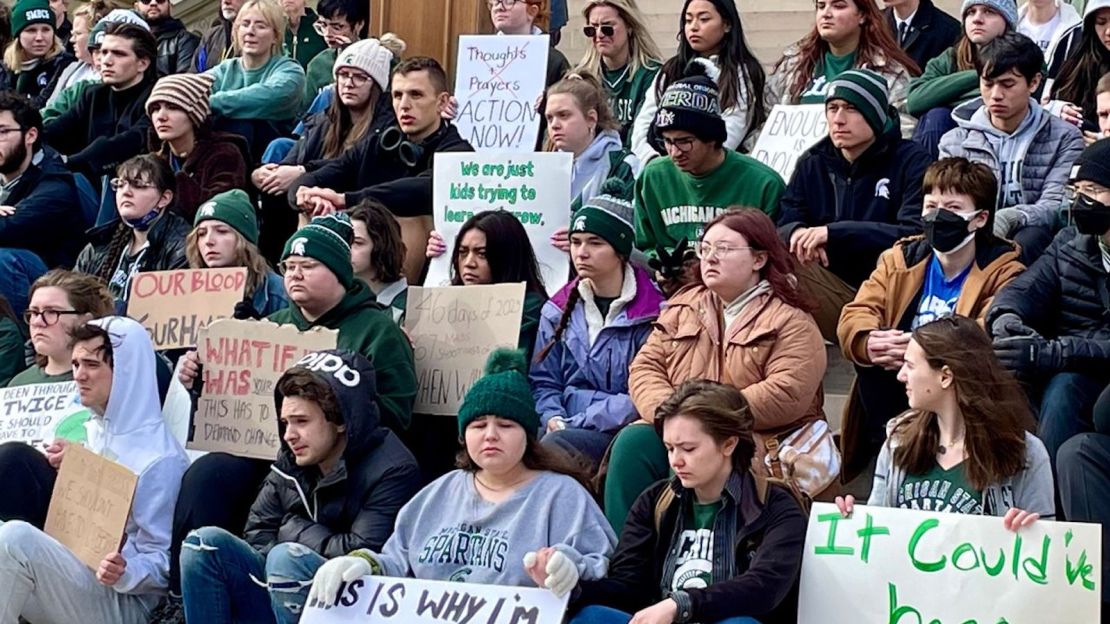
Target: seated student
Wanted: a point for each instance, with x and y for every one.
(622, 56)
(676, 196)
(670, 564)
(217, 43)
(341, 23)
(108, 124)
(1046, 22)
(148, 235)
(41, 223)
(302, 40)
(921, 29)
(951, 78)
(60, 300)
(176, 44)
(1050, 324)
(745, 322)
(846, 34)
(204, 162)
(362, 108)
(544, 525)
(1072, 91)
(591, 329)
(257, 95)
(852, 195)
(334, 450)
(43, 581)
(957, 267)
(84, 67)
(36, 57)
(395, 166)
(710, 35)
(225, 234)
(378, 256)
(964, 446)
(1030, 151)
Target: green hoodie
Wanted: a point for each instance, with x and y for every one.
(319, 74)
(627, 93)
(364, 326)
(941, 85)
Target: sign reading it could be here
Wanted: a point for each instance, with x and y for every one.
(90, 505)
(174, 306)
(243, 361)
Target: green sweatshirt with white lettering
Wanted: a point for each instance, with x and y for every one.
(671, 205)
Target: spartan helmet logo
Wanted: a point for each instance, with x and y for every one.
(882, 188)
(664, 119)
(208, 209)
(297, 247)
(579, 224)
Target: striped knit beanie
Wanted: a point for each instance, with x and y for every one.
(189, 92)
(608, 215)
(868, 92)
(327, 239)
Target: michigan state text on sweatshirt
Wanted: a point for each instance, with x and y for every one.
(671, 205)
(448, 532)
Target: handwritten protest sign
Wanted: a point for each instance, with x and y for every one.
(498, 80)
(376, 599)
(789, 131)
(243, 361)
(453, 330)
(40, 413)
(89, 508)
(916, 567)
(174, 305)
(535, 188)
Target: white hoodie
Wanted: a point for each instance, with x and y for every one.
(132, 433)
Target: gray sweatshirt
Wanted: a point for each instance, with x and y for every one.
(447, 532)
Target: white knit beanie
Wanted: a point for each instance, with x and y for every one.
(370, 56)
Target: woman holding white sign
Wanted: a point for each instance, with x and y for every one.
(964, 446)
(512, 514)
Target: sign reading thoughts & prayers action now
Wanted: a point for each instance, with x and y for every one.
(498, 80)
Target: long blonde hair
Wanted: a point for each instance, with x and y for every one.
(246, 255)
(15, 56)
(642, 51)
(273, 14)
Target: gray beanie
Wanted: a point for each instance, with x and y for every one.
(1006, 8)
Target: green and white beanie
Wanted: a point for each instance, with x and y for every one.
(608, 215)
(868, 92)
(327, 239)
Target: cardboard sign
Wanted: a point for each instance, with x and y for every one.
(174, 306)
(916, 567)
(377, 599)
(789, 131)
(242, 362)
(40, 413)
(90, 505)
(498, 80)
(535, 188)
(453, 330)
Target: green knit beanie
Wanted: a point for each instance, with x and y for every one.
(502, 392)
(327, 239)
(868, 92)
(608, 215)
(233, 208)
(28, 12)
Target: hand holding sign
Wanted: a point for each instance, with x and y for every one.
(111, 569)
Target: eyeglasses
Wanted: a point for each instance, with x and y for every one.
(6, 131)
(683, 144)
(49, 317)
(289, 268)
(153, 1)
(704, 250)
(323, 28)
(1071, 191)
(136, 185)
(606, 30)
(355, 78)
(508, 4)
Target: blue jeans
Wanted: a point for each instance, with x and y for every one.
(1066, 407)
(222, 579)
(931, 126)
(19, 269)
(605, 615)
(587, 444)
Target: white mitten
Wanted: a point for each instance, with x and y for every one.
(332, 575)
(562, 574)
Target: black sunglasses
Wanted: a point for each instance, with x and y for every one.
(591, 31)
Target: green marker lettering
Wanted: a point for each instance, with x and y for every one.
(830, 547)
(865, 534)
(918, 533)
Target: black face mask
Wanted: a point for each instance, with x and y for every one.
(946, 231)
(1090, 215)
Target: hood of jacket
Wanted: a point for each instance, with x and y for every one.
(358, 296)
(643, 307)
(593, 161)
(1007, 147)
(168, 228)
(915, 250)
(877, 156)
(351, 379)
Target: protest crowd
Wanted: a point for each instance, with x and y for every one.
(644, 431)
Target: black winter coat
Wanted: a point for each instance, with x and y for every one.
(176, 46)
(354, 506)
(932, 31)
(368, 171)
(1065, 296)
(867, 204)
(166, 250)
(38, 82)
(755, 574)
(308, 151)
(48, 219)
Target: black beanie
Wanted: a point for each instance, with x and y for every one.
(1093, 165)
(693, 104)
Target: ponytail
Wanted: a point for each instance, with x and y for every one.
(121, 238)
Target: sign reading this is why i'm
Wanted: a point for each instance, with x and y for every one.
(498, 81)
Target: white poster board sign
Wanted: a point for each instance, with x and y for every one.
(378, 599)
(911, 567)
(498, 80)
(40, 413)
(534, 187)
(789, 131)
